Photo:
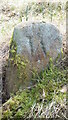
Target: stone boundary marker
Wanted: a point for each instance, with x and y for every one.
(37, 42)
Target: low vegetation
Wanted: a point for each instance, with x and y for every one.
(43, 100)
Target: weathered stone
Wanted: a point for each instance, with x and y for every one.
(37, 42)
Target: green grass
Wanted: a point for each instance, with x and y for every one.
(34, 101)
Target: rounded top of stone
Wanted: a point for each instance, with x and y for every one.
(36, 22)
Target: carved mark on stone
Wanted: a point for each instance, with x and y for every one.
(43, 48)
(41, 42)
(31, 45)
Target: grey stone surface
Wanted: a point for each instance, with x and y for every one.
(37, 42)
(40, 35)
